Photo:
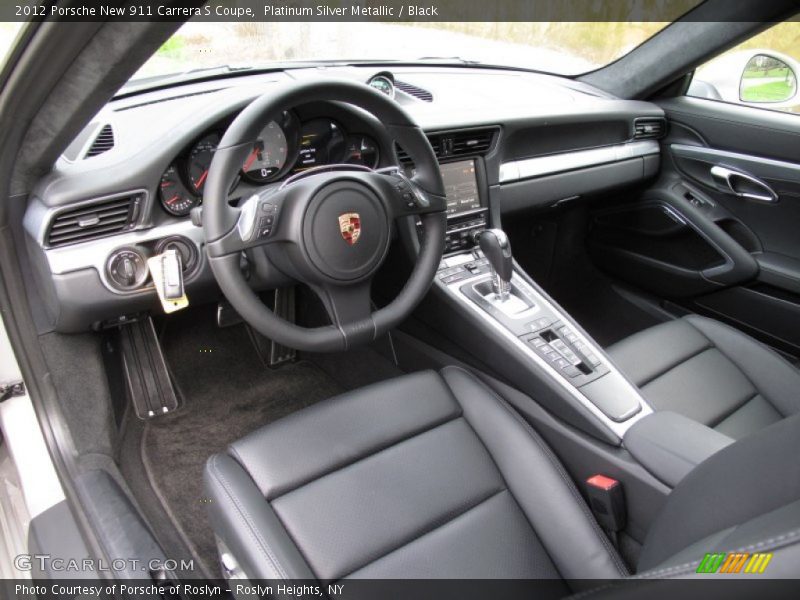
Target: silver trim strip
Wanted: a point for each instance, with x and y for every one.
(528, 168)
(618, 429)
(94, 253)
(763, 167)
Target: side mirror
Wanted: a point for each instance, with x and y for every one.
(767, 79)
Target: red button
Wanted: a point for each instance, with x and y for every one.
(602, 482)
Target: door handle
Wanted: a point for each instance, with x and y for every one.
(742, 184)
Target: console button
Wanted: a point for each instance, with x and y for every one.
(562, 363)
(592, 358)
(539, 324)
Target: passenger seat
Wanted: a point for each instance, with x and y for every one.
(711, 373)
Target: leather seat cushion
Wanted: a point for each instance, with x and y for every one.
(711, 373)
(428, 475)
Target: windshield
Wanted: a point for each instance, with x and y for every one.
(564, 48)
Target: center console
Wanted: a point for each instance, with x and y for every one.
(466, 208)
(510, 323)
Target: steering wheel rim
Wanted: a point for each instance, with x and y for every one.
(340, 276)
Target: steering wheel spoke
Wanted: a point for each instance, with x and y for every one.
(348, 306)
(406, 196)
(256, 225)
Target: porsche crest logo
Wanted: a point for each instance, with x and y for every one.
(350, 227)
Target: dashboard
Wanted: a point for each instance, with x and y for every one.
(283, 148)
(125, 188)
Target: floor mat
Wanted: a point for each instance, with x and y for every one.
(226, 393)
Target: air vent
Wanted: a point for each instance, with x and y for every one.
(413, 90)
(646, 128)
(470, 142)
(102, 143)
(95, 220)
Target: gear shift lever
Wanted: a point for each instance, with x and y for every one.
(497, 249)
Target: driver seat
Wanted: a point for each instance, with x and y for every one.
(434, 475)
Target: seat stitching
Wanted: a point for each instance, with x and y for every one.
(744, 374)
(370, 453)
(684, 360)
(255, 535)
(559, 469)
(427, 531)
(768, 544)
(516, 503)
(716, 423)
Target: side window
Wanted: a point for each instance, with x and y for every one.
(761, 72)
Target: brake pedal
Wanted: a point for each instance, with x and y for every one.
(147, 379)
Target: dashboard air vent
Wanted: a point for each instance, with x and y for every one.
(102, 143)
(470, 142)
(647, 128)
(413, 90)
(94, 220)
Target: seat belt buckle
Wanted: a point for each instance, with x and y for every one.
(607, 502)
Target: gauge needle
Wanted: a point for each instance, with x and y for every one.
(202, 180)
(250, 159)
(175, 197)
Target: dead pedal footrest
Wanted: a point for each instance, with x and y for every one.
(146, 376)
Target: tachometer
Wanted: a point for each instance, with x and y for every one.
(200, 160)
(175, 198)
(268, 156)
(361, 150)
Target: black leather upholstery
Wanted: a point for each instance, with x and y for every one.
(434, 476)
(424, 476)
(711, 373)
(744, 497)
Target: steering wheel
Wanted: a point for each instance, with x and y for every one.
(330, 227)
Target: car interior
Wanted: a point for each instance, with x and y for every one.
(388, 321)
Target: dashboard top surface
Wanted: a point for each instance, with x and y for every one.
(151, 129)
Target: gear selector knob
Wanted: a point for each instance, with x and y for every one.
(496, 248)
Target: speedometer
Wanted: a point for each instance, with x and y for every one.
(268, 157)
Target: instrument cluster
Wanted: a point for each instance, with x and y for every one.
(283, 148)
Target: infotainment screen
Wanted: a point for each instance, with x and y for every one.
(461, 186)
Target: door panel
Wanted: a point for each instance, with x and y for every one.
(775, 223)
(730, 178)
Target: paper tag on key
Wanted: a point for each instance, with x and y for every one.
(167, 274)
